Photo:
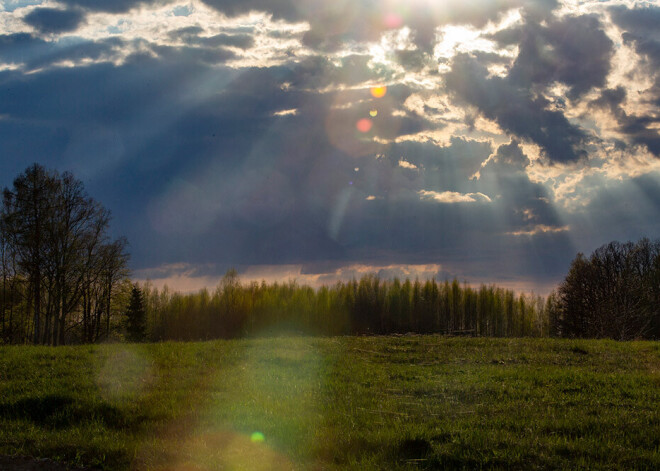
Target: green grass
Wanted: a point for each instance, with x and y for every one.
(419, 402)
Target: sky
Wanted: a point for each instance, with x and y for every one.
(487, 140)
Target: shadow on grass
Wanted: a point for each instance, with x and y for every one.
(61, 411)
(414, 449)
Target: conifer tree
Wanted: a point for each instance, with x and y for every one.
(136, 325)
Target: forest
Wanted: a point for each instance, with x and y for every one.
(366, 306)
(65, 281)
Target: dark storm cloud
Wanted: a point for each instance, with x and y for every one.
(157, 129)
(280, 9)
(193, 36)
(511, 155)
(283, 189)
(141, 124)
(412, 60)
(641, 18)
(525, 204)
(20, 47)
(445, 168)
(516, 203)
(647, 47)
(51, 20)
(459, 235)
(626, 210)
(639, 129)
(189, 34)
(516, 110)
(573, 50)
(524, 207)
(35, 53)
(188, 55)
(640, 27)
(398, 223)
(610, 98)
(112, 6)
(278, 189)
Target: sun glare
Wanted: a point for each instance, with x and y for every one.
(455, 38)
(378, 92)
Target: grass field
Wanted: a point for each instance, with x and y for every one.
(412, 402)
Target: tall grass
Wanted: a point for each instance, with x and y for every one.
(403, 402)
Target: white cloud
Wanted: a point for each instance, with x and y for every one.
(453, 197)
(291, 112)
(539, 229)
(406, 164)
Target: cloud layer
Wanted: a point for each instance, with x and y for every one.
(491, 139)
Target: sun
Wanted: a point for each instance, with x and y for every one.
(379, 91)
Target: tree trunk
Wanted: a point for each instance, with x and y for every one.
(107, 310)
(37, 307)
(4, 297)
(86, 318)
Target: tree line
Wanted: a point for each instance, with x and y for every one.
(613, 293)
(369, 305)
(62, 277)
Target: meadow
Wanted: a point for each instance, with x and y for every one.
(330, 403)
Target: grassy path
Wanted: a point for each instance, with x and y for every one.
(419, 402)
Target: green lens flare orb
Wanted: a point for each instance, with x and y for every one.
(257, 437)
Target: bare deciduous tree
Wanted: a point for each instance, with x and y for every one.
(612, 294)
(58, 237)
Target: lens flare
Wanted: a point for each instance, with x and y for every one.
(257, 437)
(392, 21)
(364, 125)
(378, 92)
(124, 375)
(373, 113)
(346, 132)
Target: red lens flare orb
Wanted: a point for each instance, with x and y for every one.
(364, 125)
(392, 21)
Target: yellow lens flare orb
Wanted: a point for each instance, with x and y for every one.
(364, 125)
(373, 113)
(379, 92)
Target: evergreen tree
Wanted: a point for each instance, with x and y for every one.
(136, 317)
